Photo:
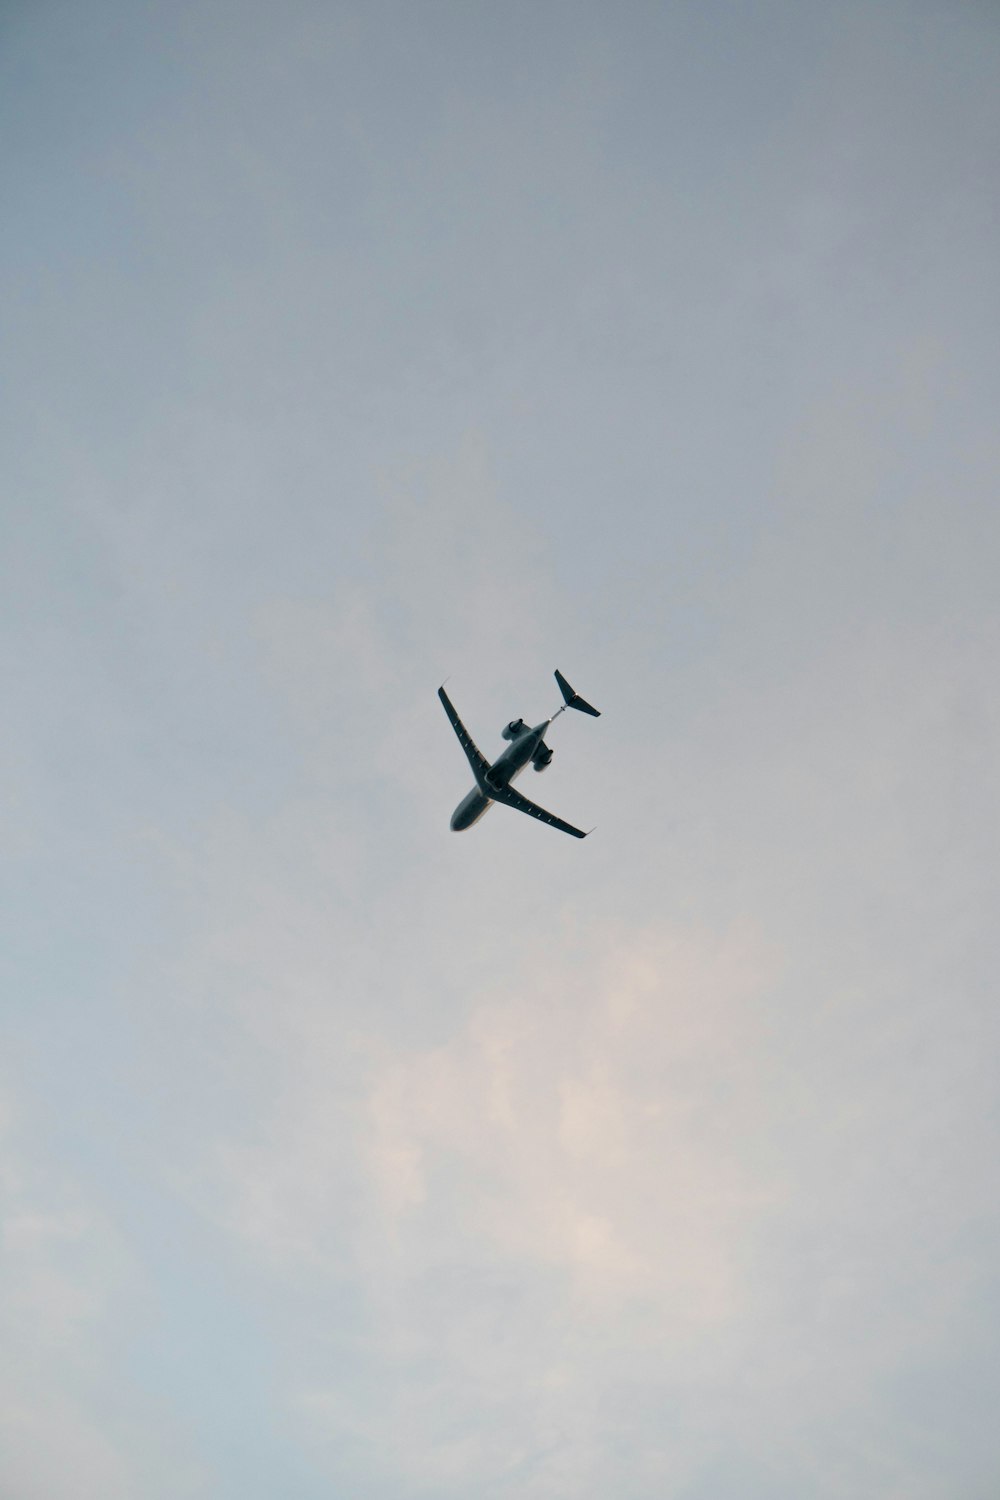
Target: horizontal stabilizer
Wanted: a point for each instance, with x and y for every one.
(573, 700)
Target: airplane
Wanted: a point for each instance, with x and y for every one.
(493, 782)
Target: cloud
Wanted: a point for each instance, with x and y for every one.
(567, 1161)
(59, 1265)
(52, 1450)
(563, 1118)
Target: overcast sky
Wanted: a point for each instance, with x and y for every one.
(353, 346)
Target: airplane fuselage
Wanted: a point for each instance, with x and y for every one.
(501, 773)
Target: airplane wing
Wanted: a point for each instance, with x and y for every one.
(510, 798)
(477, 760)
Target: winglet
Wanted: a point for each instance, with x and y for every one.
(573, 700)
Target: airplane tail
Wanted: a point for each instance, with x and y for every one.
(573, 700)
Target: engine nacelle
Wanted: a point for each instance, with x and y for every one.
(514, 728)
(541, 758)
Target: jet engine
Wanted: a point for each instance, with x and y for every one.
(541, 758)
(513, 729)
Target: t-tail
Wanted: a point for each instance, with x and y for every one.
(573, 700)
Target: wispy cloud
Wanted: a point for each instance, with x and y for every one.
(62, 1268)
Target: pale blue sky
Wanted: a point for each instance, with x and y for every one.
(350, 347)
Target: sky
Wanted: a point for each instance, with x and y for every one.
(349, 347)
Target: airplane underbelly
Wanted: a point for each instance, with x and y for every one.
(469, 810)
